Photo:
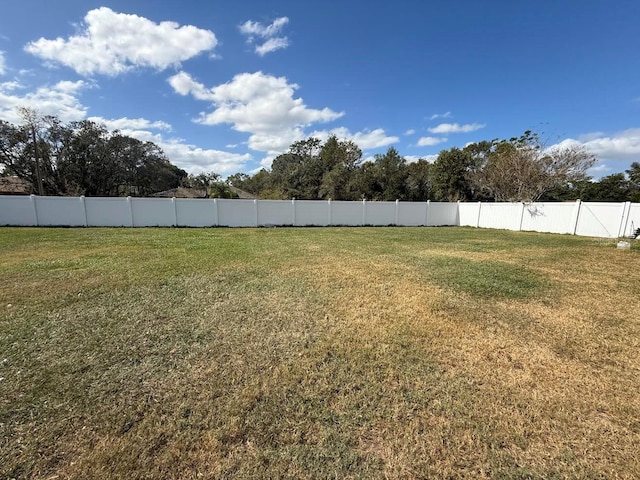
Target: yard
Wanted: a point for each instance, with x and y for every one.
(317, 353)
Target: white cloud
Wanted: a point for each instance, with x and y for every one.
(59, 100)
(600, 170)
(440, 115)
(112, 43)
(445, 128)
(184, 84)
(430, 141)
(272, 45)
(261, 105)
(409, 132)
(268, 33)
(3, 66)
(622, 145)
(129, 124)
(189, 157)
(415, 158)
(587, 137)
(266, 162)
(251, 28)
(366, 139)
(10, 86)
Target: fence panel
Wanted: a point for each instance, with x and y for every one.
(17, 210)
(549, 217)
(312, 213)
(153, 212)
(196, 212)
(599, 219)
(108, 212)
(468, 214)
(380, 213)
(442, 213)
(633, 223)
(236, 213)
(275, 212)
(502, 216)
(347, 213)
(412, 214)
(60, 211)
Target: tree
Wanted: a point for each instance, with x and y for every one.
(612, 188)
(451, 175)
(202, 181)
(83, 158)
(634, 181)
(32, 122)
(340, 159)
(523, 169)
(418, 183)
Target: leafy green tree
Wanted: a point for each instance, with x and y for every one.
(340, 159)
(418, 183)
(612, 188)
(634, 181)
(451, 175)
(84, 158)
(392, 175)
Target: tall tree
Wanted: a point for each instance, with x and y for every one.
(523, 169)
(451, 175)
(634, 181)
(340, 159)
(418, 183)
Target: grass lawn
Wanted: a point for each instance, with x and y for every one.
(317, 353)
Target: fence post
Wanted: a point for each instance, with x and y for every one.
(576, 217)
(84, 209)
(364, 212)
(626, 213)
(255, 208)
(521, 216)
(293, 211)
(35, 209)
(175, 211)
(479, 210)
(426, 215)
(329, 210)
(130, 211)
(396, 214)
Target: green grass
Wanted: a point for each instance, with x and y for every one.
(317, 353)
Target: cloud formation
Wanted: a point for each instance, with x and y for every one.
(3, 65)
(189, 157)
(446, 128)
(262, 105)
(59, 100)
(430, 141)
(366, 139)
(440, 115)
(622, 145)
(112, 43)
(268, 34)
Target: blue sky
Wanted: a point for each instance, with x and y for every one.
(226, 86)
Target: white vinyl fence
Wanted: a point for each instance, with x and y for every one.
(591, 219)
(608, 220)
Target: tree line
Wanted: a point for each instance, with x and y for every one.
(519, 169)
(85, 158)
